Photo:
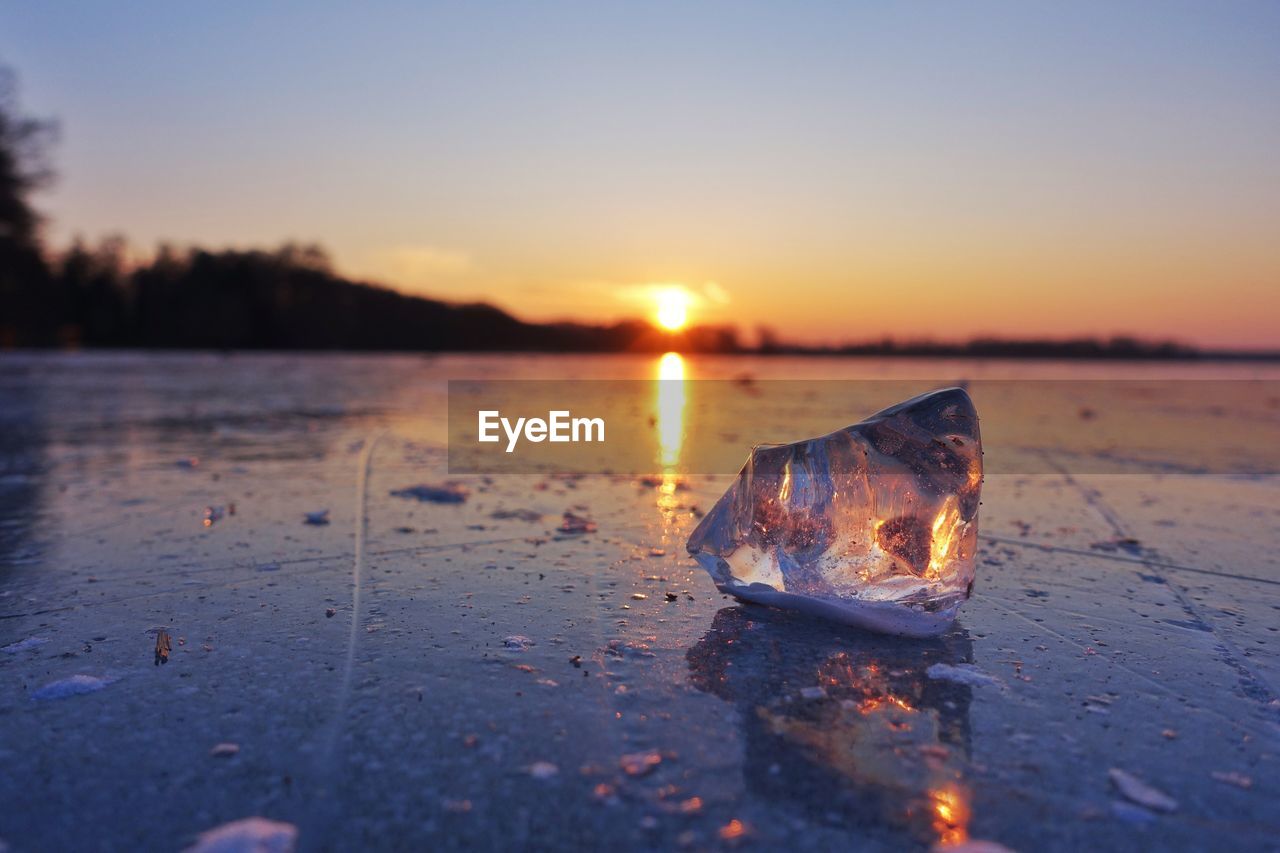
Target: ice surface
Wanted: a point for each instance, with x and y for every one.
(433, 746)
(874, 525)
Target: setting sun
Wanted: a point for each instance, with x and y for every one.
(673, 308)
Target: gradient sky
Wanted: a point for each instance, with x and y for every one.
(838, 171)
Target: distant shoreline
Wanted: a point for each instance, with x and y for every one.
(291, 300)
(915, 354)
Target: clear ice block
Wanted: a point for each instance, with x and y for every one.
(874, 525)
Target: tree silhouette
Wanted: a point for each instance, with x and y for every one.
(29, 306)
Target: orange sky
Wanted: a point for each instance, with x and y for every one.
(838, 173)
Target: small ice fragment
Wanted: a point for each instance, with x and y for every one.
(1119, 543)
(543, 770)
(962, 673)
(163, 646)
(640, 763)
(517, 642)
(517, 514)
(318, 518)
(250, 835)
(71, 686)
(24, 645)
(224, 750)
(1130, 813)
(451, 492)
(573, 523)
(1233, 778)
(692, 805)
(1137, 791)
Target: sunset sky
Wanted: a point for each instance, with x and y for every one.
(837, 171)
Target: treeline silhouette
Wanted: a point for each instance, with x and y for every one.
(1120, 347)
(291, 298)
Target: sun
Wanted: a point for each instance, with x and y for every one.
(673, 308)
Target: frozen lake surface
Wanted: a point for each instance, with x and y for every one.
(462, 676)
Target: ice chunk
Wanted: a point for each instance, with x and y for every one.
(874, 525)
(543, 770)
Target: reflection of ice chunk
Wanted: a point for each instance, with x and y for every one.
(72, 686)
(875, 525)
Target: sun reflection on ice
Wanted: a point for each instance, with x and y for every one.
(670, 415)
(670, 401)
